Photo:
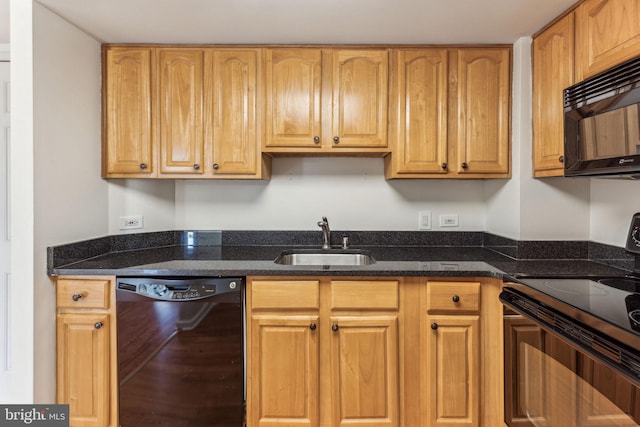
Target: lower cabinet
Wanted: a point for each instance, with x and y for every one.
(374, 351)
(85, 348)
(322, 352)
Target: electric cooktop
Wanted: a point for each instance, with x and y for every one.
(609, 305)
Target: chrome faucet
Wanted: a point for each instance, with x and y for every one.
(326, 233)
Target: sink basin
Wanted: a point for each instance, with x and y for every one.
(324, 257)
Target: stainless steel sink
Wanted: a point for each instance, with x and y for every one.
(324, 257)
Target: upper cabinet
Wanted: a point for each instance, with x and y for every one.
(224, 111)
(325, 100)
(593, 37)
(450, 113)
(552, 52)
(127, 136)
(182, 113)
(180, 104)
(607, 33)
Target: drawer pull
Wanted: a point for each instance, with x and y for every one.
(335, 327)
(77, 297)
(98, 325)
(434, 326)
(455, 298)
(313, 326)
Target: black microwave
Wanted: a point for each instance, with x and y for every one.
(602, 123)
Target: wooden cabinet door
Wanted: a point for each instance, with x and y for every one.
(452, 360)
(83, 368)
(519, 332)
(484, 88)
(607, 33)
(418, 122)
(180, 99)
(233, 135)
(360, 98)
(553, 71)
(127, 113)
(293, 85)
(364, 371)
(284, 371)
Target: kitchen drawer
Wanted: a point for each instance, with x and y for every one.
(364, 294)
(453, 297)
(287, 294)
(79, 293)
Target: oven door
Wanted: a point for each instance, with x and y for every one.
(552, 381)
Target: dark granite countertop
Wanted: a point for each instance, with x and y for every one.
(253, 253)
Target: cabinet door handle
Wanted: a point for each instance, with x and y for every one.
(336, 139)
(434, 326)
(76, 297)
(143, 166)
(444, 166)
(561, 159)
(464, 165)
(196, 166)
(98, 325)
(216, 166)
(313, 326)
(455, 298)
(335, 327)
(316, 139)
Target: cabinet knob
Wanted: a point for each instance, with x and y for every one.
(98, 325)
(444, 166)
(464, 165)
(216, 166)
(561, 159)
(196, 166)
(316, 139)
(143, 165)
(434, 326)
(455, 298)
(336, 139)
(335, 327)
(313, 326)
(76, 297)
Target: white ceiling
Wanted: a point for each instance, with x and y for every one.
(309, 21)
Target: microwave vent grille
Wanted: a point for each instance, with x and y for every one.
(619, 79)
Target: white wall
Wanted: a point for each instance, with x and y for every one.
(613, 203)
(351, 192)
(70, 199)
(154, 199)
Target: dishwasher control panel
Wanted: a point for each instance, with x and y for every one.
(170, 289)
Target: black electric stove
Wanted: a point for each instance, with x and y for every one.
(598, 314)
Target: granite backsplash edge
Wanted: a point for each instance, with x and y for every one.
(614, 256)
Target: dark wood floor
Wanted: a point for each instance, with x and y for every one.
(194, 380)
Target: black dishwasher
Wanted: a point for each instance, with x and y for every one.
(180, 352)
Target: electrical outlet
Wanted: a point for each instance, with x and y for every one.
(449, 220)
(424, 220)
(131, 222)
